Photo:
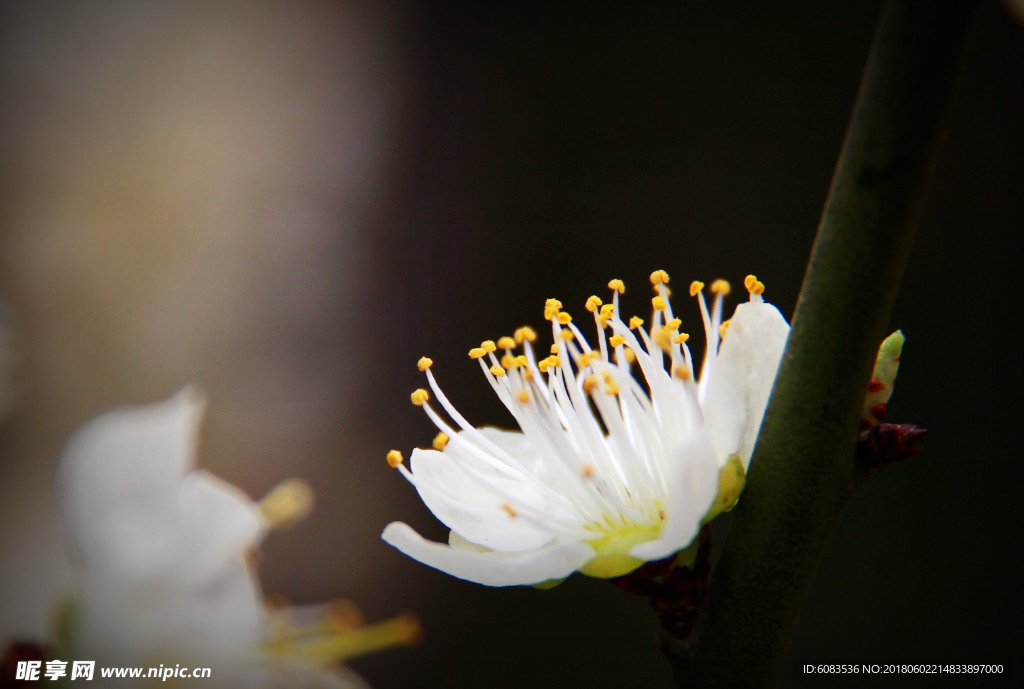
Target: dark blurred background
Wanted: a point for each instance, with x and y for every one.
(290, 203)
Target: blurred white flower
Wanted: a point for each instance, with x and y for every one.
(162, 552)
(608, 471)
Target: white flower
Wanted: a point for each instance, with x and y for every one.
(162, 555)
(608, 471)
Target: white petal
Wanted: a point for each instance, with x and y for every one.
(218, 524)
(555, 561)
(515, 444)
(742, 379)
(692, 489)
(131, 621)
(459, 543)
(469, 508)
(119, 473)
(225, 612)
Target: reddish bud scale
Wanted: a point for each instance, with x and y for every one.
(678, 595)
(888, 443)
(876, 385)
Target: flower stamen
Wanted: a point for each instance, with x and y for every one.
(333, 639)
(287, 503)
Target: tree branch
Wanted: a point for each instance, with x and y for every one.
(803, 472)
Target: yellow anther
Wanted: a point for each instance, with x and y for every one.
(545, 364)
(659, 277)
(477, 353)
(659, 303)
(511, 511)
(342, 616)
(695, 287)
(721, 287)
(408, 629)
(497, 371)
(440, 441)
(681, 372)
(612, 389)
(635, 322)
(566, 335)
(662, 338)
(520, 361)
(587, 470)
(526, 333)
(554, 349)
(681, 338)
(508, 361)
(607, 310)
(488, 346)
(394, 459)
(523, 396)
(616, 340)
(564, 318)
(724, 328)
(286, 504)
(506, 342)
(586, 358)
(552, 307)
(589, 383)
(630, 355)
(593, 303)
(758, 287)
(419, 397)
(674, 324)
(617, 285)
(749, 282)
(424, 363)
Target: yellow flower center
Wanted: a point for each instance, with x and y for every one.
(612, 548)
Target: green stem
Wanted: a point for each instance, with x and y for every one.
(802, 473)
